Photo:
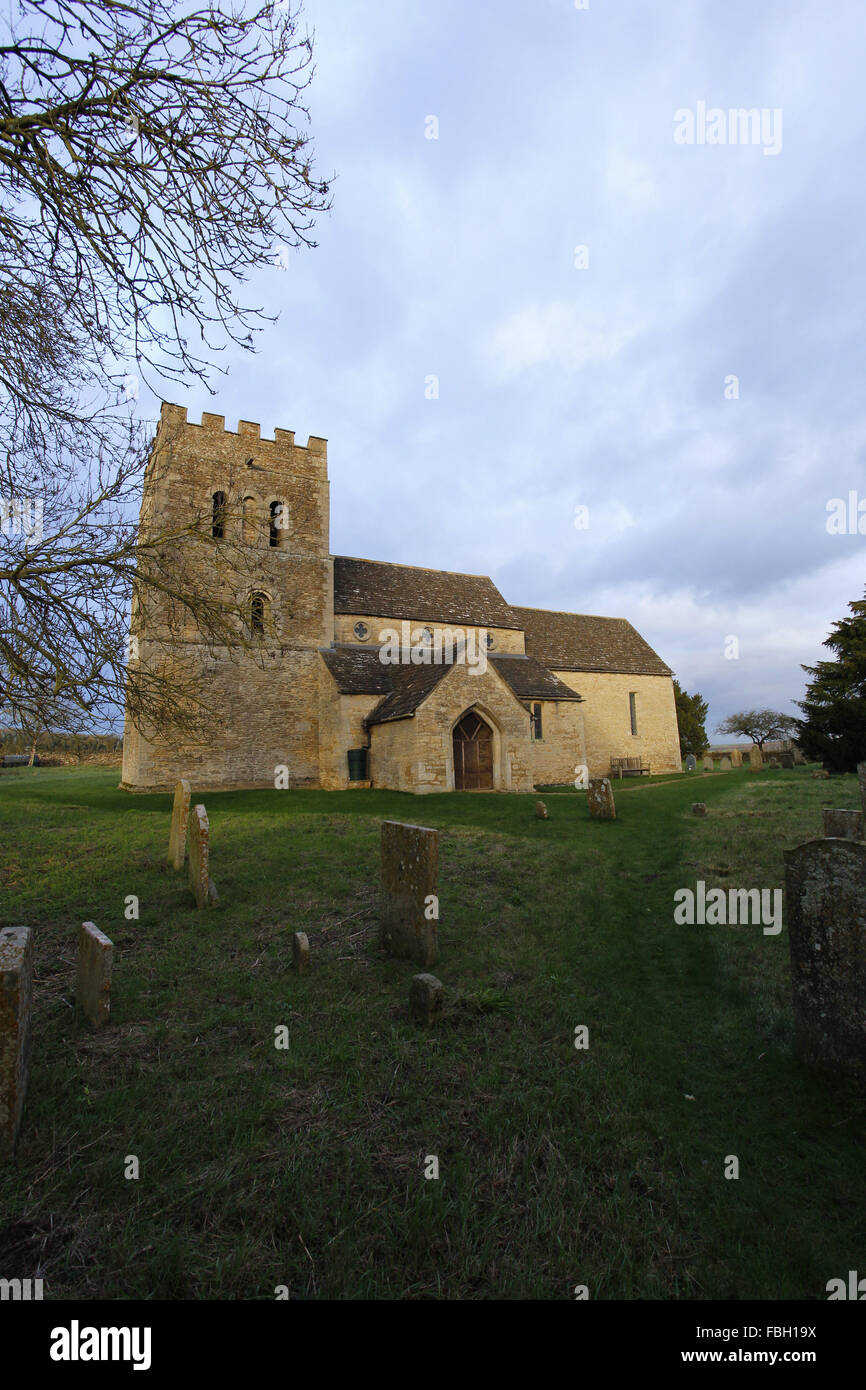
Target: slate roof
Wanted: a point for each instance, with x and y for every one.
(405, 591)
(410, 687)
(579, 642)
(529, 680)
(358, 670)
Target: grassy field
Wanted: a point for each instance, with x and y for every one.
(305, 1167)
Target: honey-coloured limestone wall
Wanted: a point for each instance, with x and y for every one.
(607, 722)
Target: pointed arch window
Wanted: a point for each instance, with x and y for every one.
(218, 515)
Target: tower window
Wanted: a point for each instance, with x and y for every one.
(632, 710)
(278, 522)
(218, 516)
(258, 603)
(536, 723)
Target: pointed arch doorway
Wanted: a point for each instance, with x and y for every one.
(473, 754)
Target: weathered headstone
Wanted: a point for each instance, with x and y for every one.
(725, 765)
(425, 998)
(410, 868)
(599, 799)
(300, 952)
(179, 818)
(691, 762)
(93, 978)
(826, 904)
(786, 760)
(708, 764)
(756, 761)
(16, 990)
(736, 758)
(843, 825)
(198, 842)
(699, 808)
(541, 810)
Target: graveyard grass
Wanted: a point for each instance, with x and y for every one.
(304, 1167)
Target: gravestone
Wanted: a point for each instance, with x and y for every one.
(699, 808)
(16, 991)
(179, 818)
(725, 765)
(93, 978)
(410, 868)
(843, 825)
(425, 998)
(541, 810)
(736, 758)
(300, 952)
(825, 882)
(799, 760)
(599, 798)
(691, 762)
(198, 844)
(821, 772)
(708, 764)
(786, 760)
(756, 761)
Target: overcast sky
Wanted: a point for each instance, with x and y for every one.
(604, 385)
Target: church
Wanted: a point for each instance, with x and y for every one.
(361, 673)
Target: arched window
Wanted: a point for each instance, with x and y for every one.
(278, 522)
(249, 521)
(218, 522)
(258, 608)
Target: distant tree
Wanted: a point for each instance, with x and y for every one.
(691, 717)
(833, 728)
(759, 725)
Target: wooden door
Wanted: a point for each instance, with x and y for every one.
(473, 755)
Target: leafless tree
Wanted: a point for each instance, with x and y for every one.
(150, 159)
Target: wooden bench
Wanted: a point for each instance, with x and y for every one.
(628, 767)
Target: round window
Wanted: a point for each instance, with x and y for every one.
(361, 631)
(489, 639)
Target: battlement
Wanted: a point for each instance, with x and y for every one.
(247, 430)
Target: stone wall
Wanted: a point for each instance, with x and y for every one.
(607, 723)
(561, 749)
(504, 639)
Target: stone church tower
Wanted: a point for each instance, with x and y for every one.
(266, 504)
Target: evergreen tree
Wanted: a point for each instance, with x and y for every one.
(691, 714)
(833, 728)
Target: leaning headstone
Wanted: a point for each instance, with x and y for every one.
(599, 798)
(198, 840)
(93, 979)
(699, 808)
(708, 764)
(16, 990)
(756, 760)
(540, 810)
(843, 825)
(825, 884)
(300, 952)
(691, 762)
(410, 869)
(736, 758)
(179, 818)
(425, 998)
(725, 765)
